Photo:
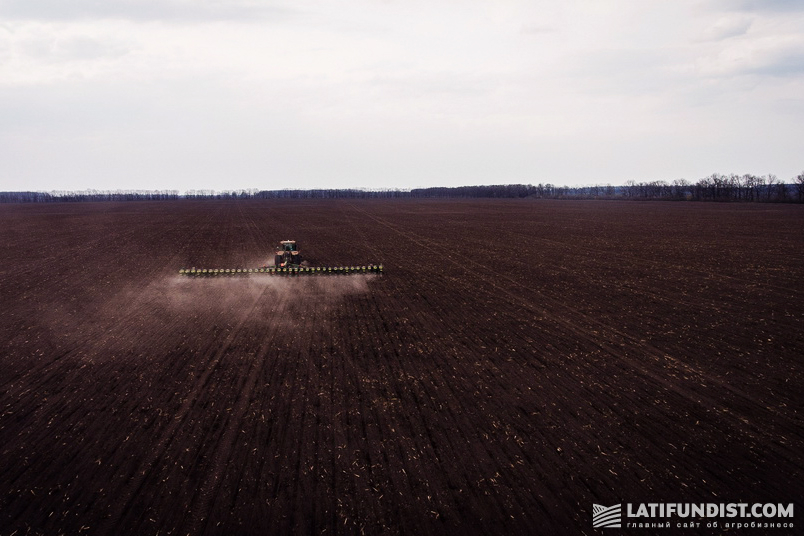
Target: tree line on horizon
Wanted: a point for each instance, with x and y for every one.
(716, 187)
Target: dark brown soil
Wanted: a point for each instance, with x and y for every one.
(517, 362)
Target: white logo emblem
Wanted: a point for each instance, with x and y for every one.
(606, 516)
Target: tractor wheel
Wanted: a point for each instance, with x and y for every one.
(277, 260)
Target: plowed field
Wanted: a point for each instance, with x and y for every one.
(517, 362)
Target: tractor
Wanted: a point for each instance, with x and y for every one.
(287, 255)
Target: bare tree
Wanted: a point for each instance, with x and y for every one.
(781, 191)
(750, 185)
(680, 188)
(800, 187)
(630, 188)
(759, 185)
(734, 187)
(771, 182)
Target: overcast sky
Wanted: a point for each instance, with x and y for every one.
(231, 94)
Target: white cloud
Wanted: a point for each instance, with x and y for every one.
(767, 6)
(232, 94)
(730, 25)
(142, 10)
(781, 55)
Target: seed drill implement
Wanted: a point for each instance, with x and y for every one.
(288, 262)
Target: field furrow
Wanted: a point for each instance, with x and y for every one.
(516, 362)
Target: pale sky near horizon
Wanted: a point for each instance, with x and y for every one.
(236, 94)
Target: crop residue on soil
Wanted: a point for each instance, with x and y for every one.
(619, 352)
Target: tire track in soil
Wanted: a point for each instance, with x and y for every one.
(306, 461)
(201, 506)
(567, 403)
(361, 432)
(257, 235)
(657, 320)
(307, 518)
(323, 509)
(613, 347)
(489, 460)
(433, 445)
(122, 317)
(380, 454)
(300, 387)
(667, 298)
(662, 265)
(134, 487)
(430, 452)
(87, 243)
(291, 386)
